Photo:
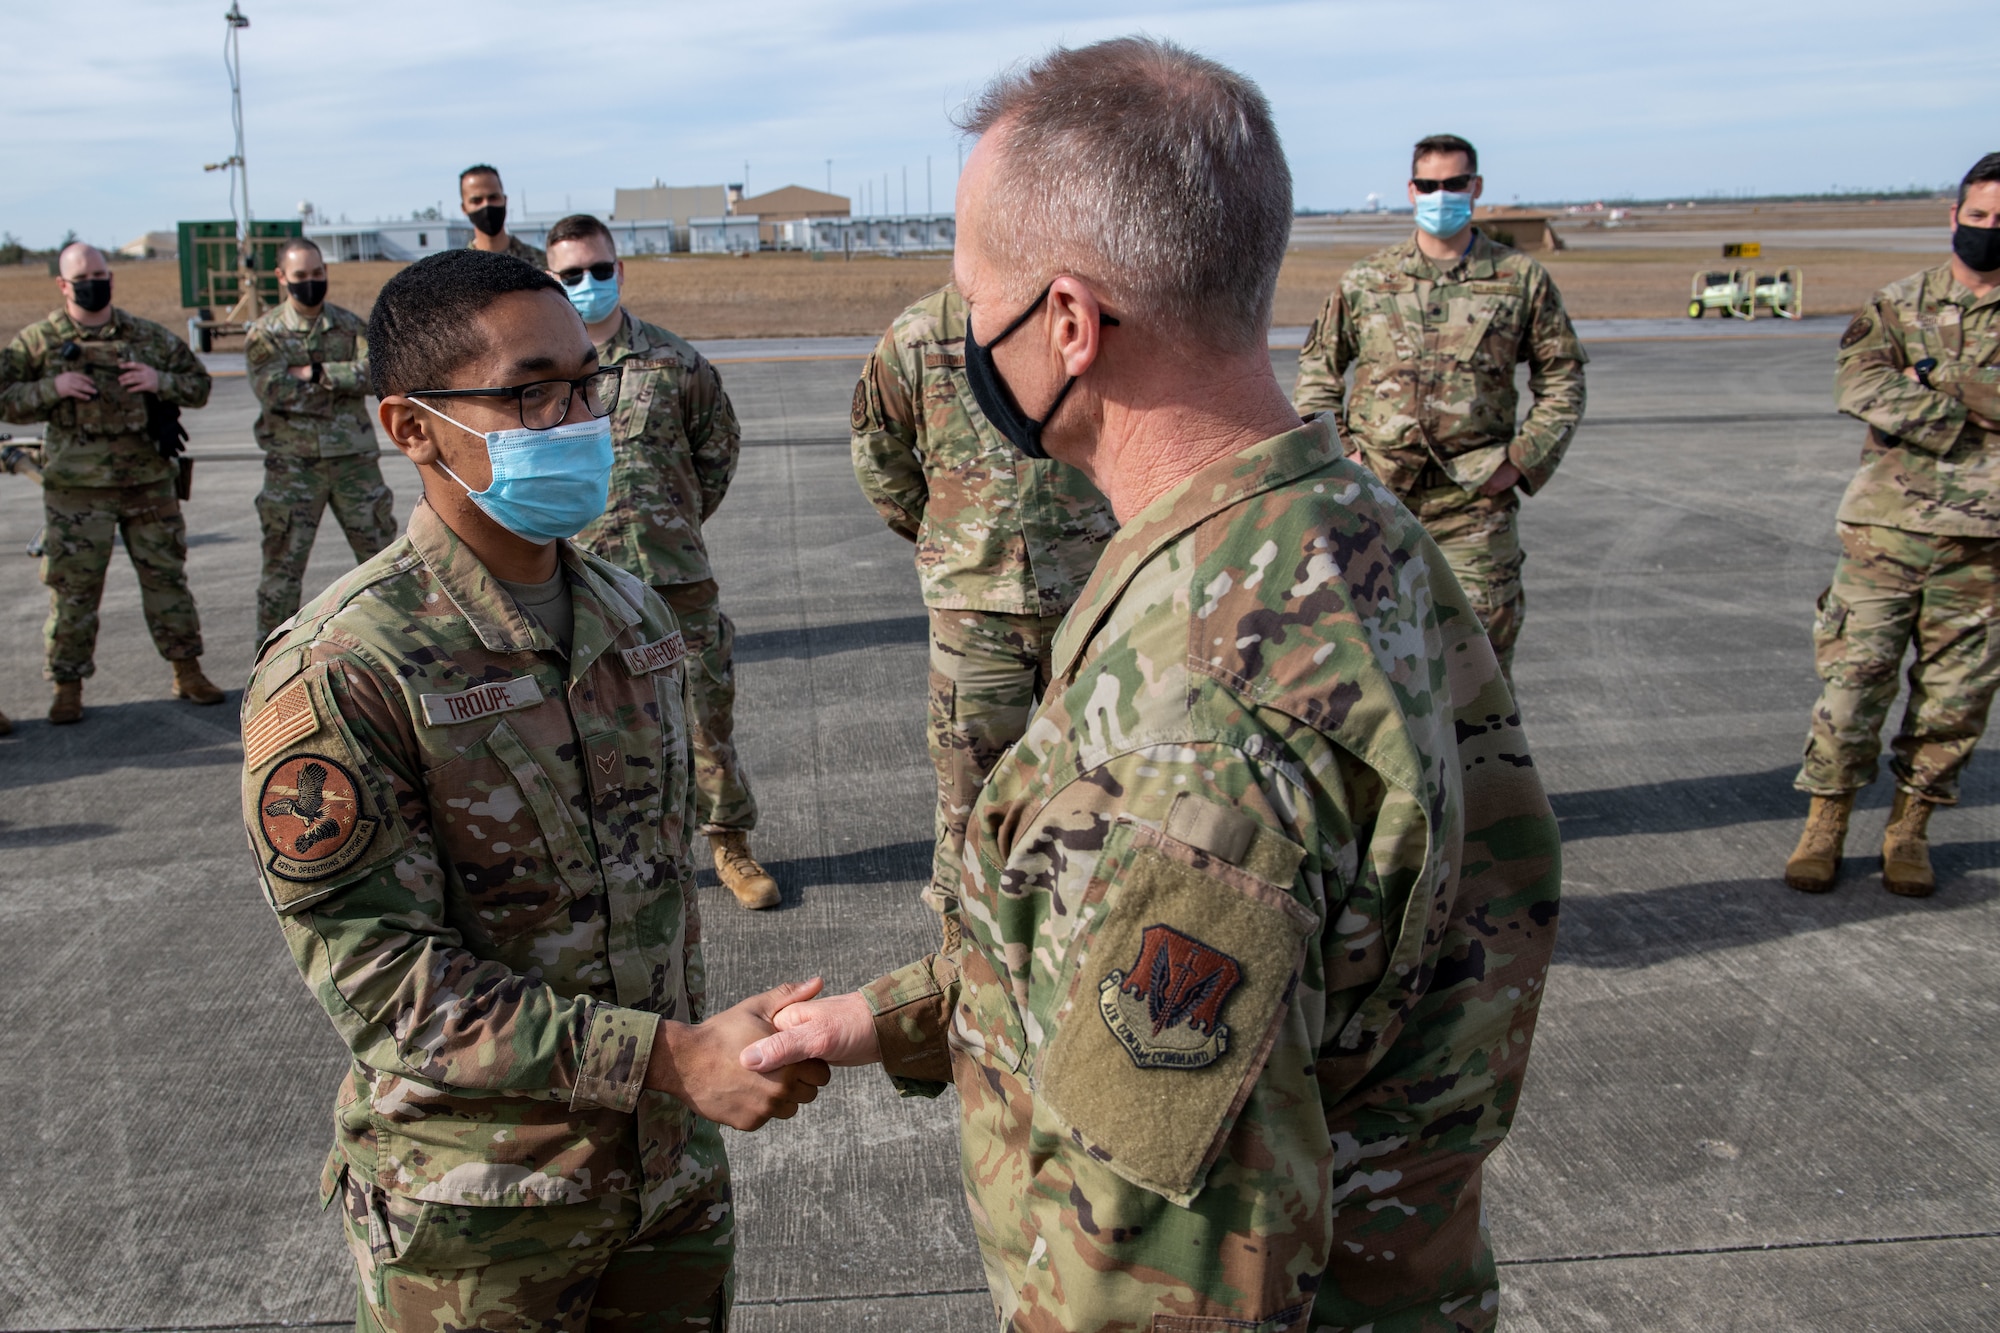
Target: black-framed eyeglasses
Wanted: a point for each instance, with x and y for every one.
(570, 277)
(545, 403)
(1455, 184)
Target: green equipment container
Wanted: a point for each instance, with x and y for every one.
(211, 276)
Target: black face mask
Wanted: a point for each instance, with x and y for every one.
(1978, 248)
(996, 400)
(490, 220)
(310, 293)
(91, 294)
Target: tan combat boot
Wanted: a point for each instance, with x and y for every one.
(1815, 863)
(68, 706)
(191, 685)
(739, 871)
(1906, 849)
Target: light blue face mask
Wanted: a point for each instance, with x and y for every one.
(593, 300)
(547, 484)
(1442, 213)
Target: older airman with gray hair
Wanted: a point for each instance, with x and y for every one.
(1256, 915)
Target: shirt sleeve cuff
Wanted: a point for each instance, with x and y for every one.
(912, 1008)
(616, 1050)
(340, 375)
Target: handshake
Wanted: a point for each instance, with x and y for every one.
(765, 1057)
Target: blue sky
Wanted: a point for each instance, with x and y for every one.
(369, 108)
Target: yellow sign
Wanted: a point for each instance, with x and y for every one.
(1742, 250)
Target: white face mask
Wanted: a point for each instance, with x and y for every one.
(547, 484)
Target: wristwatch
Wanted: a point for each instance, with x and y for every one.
(1924, 369)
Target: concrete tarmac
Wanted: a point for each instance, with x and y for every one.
(1748, 1108)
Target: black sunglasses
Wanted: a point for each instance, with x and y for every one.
(1425, 185)
(572, 276)
(545, 403)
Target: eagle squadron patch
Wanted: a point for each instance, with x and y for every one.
(1167, 1012)
(310, 815)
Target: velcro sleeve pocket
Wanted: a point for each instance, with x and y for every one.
(1171, 1005)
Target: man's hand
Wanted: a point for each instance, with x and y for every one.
(300, 372)
(699, 1064)
(136, 378)
(839, 1030)
(1505, 477)
(75, 384)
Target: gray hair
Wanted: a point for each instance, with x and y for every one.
(1147, 170)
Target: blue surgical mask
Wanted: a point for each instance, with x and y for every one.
(1442, 213)
(547, 484)
(593, 300)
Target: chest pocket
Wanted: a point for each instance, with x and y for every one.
(1483, 325)
(648, 400)
(512, 851)
(113, 411)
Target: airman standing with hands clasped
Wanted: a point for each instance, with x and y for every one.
(110, 386)
(467, 783)
(674, 443)
(308, 363)
(1433, 329)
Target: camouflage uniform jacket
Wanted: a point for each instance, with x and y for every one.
(1257, 916)
(995, 530)
(520, 249)
(103, 442)
(1433, 353)
(1925, 467)
(323, 418)
(676, 442)
(478, 852)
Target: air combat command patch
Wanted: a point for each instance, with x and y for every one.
(1167, 1011)
(310, 816)
(1856, 331)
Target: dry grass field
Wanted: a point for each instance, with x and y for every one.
(781, 295)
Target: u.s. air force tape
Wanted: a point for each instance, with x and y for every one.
(500, 696)
(655, 656)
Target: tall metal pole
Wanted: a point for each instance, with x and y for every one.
(248, 298)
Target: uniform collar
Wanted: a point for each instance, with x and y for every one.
(1476, 264)
(601, 614)
(289, 316)
(1220, 486)
(118, 326)
(1946, 289)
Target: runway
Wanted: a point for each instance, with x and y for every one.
(1748, 1108)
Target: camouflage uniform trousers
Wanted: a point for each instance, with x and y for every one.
(296, 494)
(1481, 542)
(988, 670)
(1893, 588)
(724, 801)
(77, 554)
(564, 1268)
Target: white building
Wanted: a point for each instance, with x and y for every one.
(401, 240)
(736, 234)
(913, 234)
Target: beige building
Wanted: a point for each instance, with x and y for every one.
(790, 203)
(1517, 227)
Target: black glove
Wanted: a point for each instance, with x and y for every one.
(163, 423)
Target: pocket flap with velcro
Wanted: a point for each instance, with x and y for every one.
(1171, 1006)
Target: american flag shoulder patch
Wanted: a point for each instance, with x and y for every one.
(289, 717)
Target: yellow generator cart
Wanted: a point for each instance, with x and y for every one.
(1732, 294)
(1782, 293)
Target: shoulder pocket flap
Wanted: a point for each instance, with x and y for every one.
(1170, 1012)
